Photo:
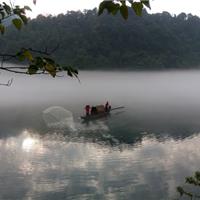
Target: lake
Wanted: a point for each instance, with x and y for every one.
(143, 151)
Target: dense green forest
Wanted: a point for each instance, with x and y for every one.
(89, 41)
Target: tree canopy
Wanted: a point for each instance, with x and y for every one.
(44, 63)
(38, 62)
(88, 41)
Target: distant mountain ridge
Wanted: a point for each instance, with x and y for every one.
(88, 41)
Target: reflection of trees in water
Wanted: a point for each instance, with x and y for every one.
(105, 134)
(131, 166)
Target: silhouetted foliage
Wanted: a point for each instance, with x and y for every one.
(38, 62)
(193, 181)
(114, 6)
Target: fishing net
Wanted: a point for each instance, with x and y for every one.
(58, 117)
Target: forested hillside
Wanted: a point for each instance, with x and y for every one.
(88, 41)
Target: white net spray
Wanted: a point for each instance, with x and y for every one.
(58, 117)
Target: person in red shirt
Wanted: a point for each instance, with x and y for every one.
(87, 109)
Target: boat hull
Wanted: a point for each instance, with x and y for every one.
(95, 117)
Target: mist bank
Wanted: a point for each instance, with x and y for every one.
(88, 41)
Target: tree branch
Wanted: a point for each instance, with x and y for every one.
(36, 64)
(9, 83)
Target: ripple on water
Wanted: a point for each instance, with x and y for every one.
(49, 167)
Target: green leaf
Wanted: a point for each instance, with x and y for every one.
(39, 62)
(101, 8)
(7, 8)
(137, 7)
(53, 73)
(109, 5)
(17, 10)
(69, 73)
(51, 69)
(27, 8)
(72, 72)
(24, 19)
(124, 11)
(27, 55)
(32, 69)
(2, 29)
(76, 71)
(146, 3)
(116, 9)
(197, 175)
(49, 60)
(2, 13)
(20, 56)
(123, 2)
(180, 190)
(191, 180)
(17, 22)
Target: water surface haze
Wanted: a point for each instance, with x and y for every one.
(140, 152)
(156, 99)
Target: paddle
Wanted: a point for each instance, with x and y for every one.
(117, 108)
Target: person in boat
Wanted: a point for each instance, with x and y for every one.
(87, 110)
(94, 110)
(107, 107)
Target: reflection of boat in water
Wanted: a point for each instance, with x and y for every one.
(95, 116)
(99, 115)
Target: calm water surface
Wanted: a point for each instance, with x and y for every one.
(141, 152)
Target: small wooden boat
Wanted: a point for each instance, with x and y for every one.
(99, 115)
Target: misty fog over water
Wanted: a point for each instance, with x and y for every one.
(144, 150)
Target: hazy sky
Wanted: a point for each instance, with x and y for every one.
(61, 6)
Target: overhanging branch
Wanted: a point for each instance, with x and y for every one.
(9, 83)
